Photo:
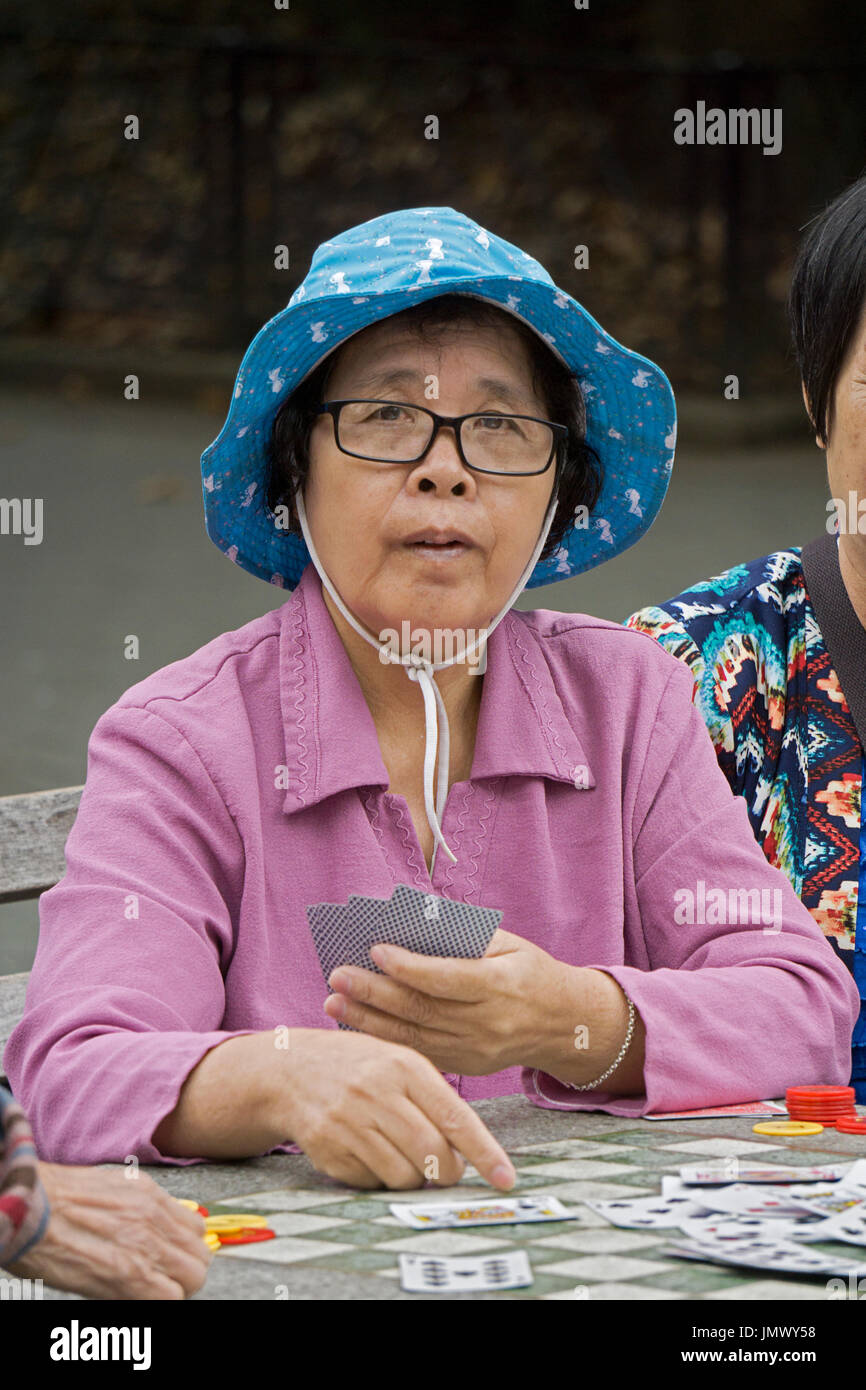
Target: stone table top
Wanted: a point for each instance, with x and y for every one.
(337, 1242)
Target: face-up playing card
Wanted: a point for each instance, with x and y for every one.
(648, 1213)
(763, 1200)
(464, 1273)
(725, 1226)
(856, 1176)
(848, 1226)
(827, 1202)
(726, 1173)
(505, 1211)
(765, 1252)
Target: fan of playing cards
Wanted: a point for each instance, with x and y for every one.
(422, 922)
(753, 1222)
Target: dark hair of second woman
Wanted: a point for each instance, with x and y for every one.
(827, 298)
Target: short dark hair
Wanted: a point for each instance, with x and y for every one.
(826, 299)
(578, 469)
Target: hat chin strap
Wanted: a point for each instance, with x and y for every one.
(420, 669)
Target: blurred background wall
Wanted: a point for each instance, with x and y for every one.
(261, 126)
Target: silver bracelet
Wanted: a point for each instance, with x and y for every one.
(593, 1085)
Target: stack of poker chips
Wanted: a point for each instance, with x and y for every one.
(825, 1105)
(230, 1228)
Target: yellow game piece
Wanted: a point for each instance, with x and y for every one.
(187, 1202)
(790, 1127)
(232, 1222)
(211, 1240)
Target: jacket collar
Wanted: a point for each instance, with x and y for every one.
(331, 742)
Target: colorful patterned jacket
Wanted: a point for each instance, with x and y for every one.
(783, 734)
(24, 1209)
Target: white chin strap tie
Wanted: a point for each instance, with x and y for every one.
(420, 669)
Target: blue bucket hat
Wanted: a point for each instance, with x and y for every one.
(391, 263)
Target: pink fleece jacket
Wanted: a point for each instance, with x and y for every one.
(231, 789)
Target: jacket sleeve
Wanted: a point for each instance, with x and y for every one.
(24, 1209)
(127, 993)
(740, 993)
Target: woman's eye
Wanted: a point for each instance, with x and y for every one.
(496, 422)
(381, 412)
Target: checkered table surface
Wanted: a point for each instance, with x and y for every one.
(334, 1242)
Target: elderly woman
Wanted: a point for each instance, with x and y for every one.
(777, 646)
(407, 443)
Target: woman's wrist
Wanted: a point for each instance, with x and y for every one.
(592, 1029)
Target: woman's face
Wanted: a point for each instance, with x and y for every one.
(360, 513)
(846, 446)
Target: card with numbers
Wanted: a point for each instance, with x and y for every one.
(464, 1273)
(435, 1216)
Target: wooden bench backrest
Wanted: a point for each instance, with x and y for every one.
(33, 832)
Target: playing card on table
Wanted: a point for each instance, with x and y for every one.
(763, 1200)
(504, 1211)
(647, 1213)
(765, 1252)
(462, 1273)
(730, 1172)
(725, 1226)
(765, 1109)
(856, 1176)
(824, 1201)
(848, 1226)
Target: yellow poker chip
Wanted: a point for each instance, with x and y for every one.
(232, 1222)
(789, 1127)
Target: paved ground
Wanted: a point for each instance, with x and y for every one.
(334, 1242)
(125, 552)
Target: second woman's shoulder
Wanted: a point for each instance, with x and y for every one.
(769, 588)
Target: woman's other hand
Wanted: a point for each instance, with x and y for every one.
(376, 1114)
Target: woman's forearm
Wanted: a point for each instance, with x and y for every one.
(232, 1104)
(586, 1031)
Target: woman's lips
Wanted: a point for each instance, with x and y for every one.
(432, 550)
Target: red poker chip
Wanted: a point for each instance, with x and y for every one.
(248, 1236)
(832, 1103)
(795, 1113)
(851, 1124)
(829, 1101)
(844, 1108)
(828, 1106)
(818, 1092)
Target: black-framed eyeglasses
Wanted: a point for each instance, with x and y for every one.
(487, 441)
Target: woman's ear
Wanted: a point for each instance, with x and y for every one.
(818, 440)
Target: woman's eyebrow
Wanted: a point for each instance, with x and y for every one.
(405, 376)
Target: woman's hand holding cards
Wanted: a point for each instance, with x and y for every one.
(372, 1113)
(469, 1016)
